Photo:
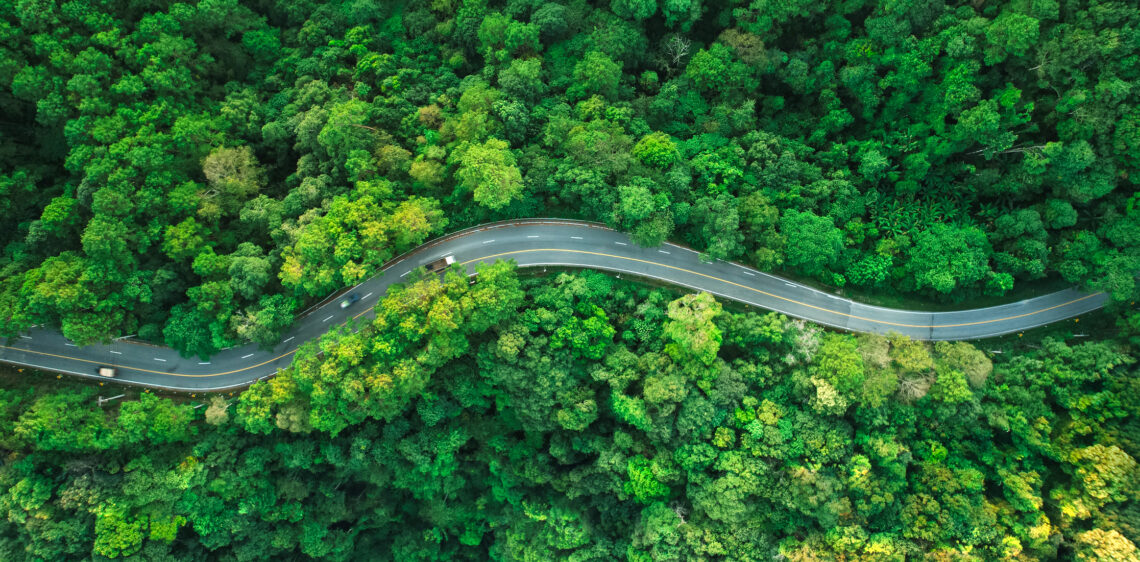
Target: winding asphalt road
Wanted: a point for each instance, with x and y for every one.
(535, 243)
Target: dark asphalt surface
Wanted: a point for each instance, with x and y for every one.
(535, 243)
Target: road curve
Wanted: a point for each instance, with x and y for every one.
(536, 243)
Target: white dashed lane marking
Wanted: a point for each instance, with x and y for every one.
(289, 340)
(750, 273)
(621, 243)
(361, 298)
(157, 359)
(327, 319)
(533, 236)
(205, 363)
(247, 356)
(117, 352)
(488, 241)
(576, 237)
(663, 252)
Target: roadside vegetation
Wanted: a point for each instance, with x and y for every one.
(197, 173)
(588, 418)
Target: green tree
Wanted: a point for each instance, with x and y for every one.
(1011, 33)
(489, 172)
(588, 338)
(839, 364)
(233, 176)
(643, 484)
(156, 420)
(595, 74)
(523, 79)
(645, 211)
(719, 222)
(946, 257)
(693, 338)
(814, 242)
(716, 71)
(656, 149)
(636, 10)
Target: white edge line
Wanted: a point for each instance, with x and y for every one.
(681, 248)
(717, 293)
(842, 327)
(674, 282)
(758, 305)
(213, 389)
(122, 380)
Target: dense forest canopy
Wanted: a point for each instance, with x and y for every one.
(580, 417)
(197, 173)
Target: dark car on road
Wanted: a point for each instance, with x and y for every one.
(347, 301)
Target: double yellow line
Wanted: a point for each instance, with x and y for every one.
(675, 268)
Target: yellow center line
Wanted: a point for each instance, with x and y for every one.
(786, 299)
(765, 293)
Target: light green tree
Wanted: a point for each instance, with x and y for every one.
(489, 172)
